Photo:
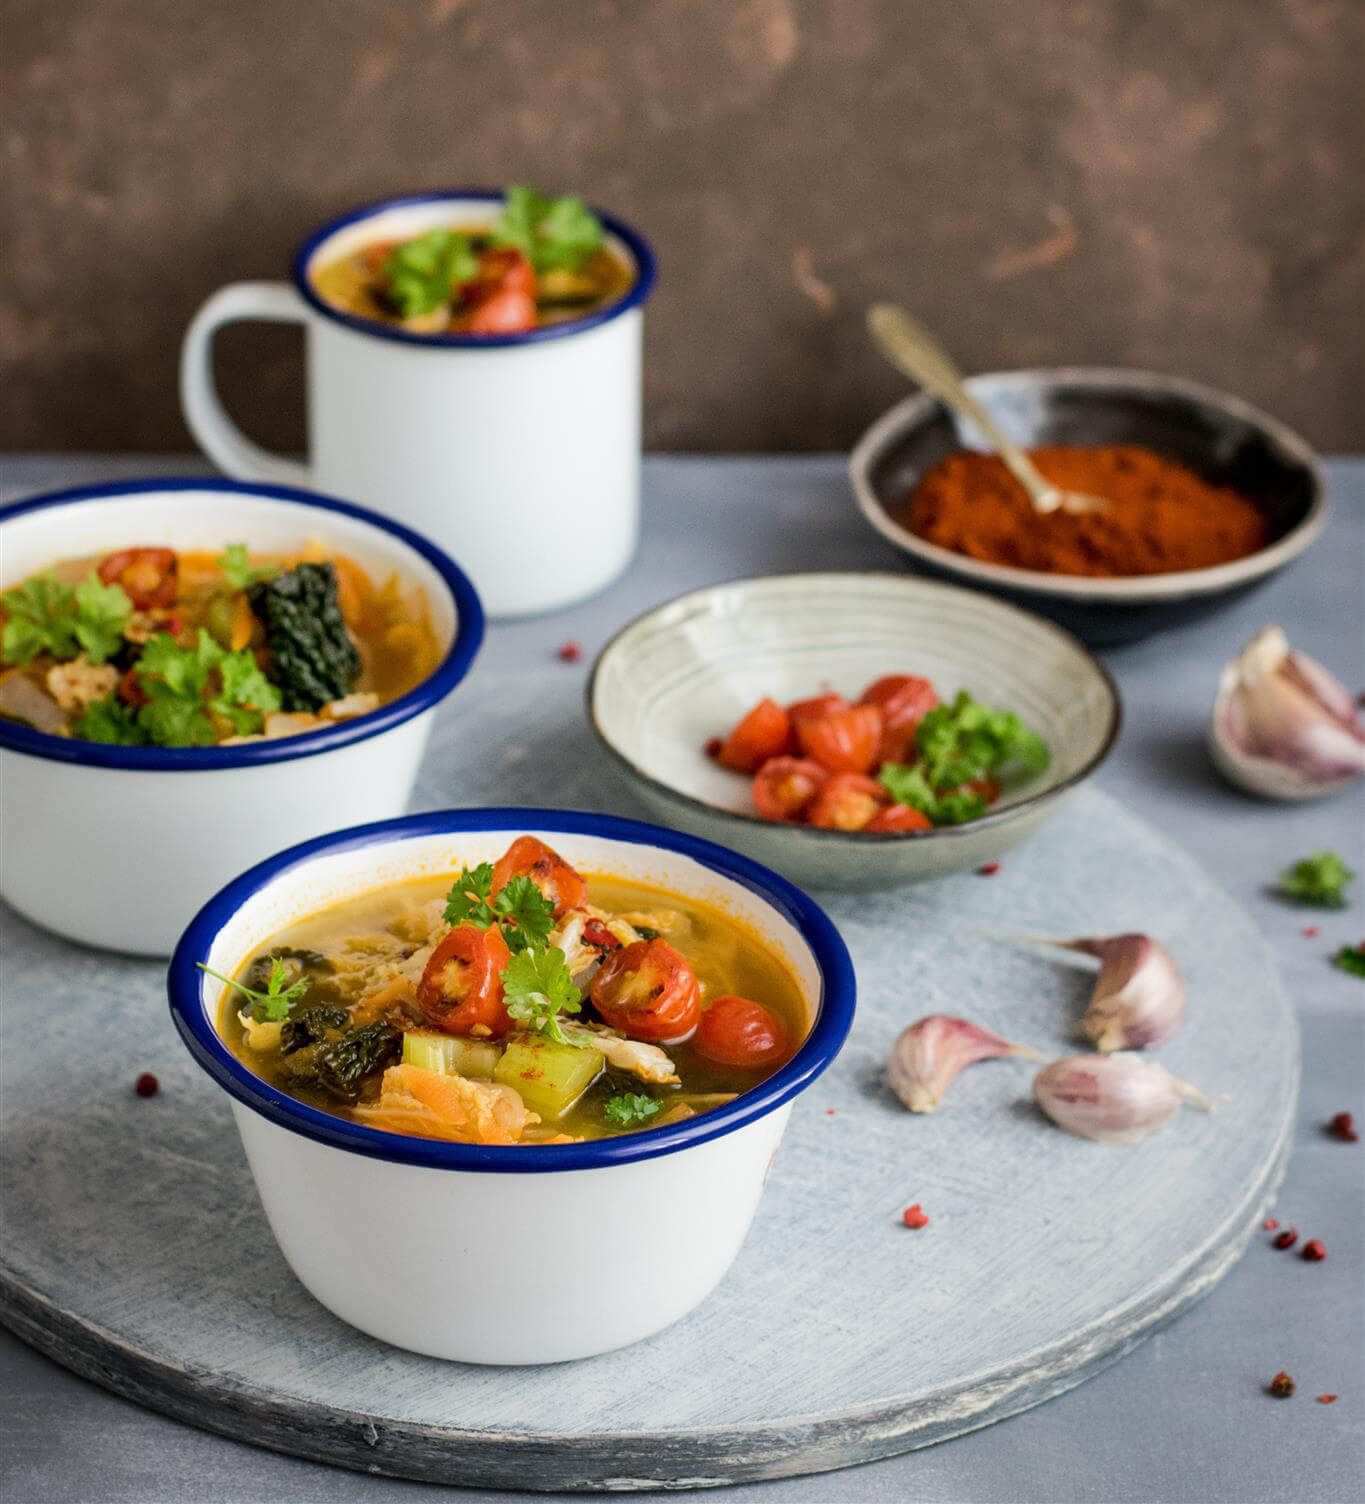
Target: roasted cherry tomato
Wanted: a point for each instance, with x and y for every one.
(461, 987)
(988, 788)
(800, 710)
(648, 991)
(547, 870)
(506, 311)
(147, 575)
(896, 818)
(785, 786)
(845, 741)
(765, 732)
(502, 297)
(847, 802)
(735, 1031)
(904, 701)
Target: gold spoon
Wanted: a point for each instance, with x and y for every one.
(912, 349)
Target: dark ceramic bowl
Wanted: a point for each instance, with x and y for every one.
(1224, 440)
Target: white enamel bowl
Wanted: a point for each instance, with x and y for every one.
(480, 1253)
(118, 846)
(688, 670)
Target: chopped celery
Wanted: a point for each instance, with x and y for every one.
(450, 1055)
(550, 1077)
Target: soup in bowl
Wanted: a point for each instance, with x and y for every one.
(510, 1031)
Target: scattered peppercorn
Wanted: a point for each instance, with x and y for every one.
(1287, 1238)
(1313, 1251)
(146, 1085)
(712, 748)
(1310, 932)
(913, 1216)
(1343, 1126)
(570, 652)
(1281, 1386)
(989, 870)
(1327, 1399)
(1270, 1224)
(831, 1111)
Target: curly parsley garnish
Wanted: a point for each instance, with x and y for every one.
(628, 1108)
(110, 721)
(271, 1006)
(423, 273)
(537, 988)
(189, 690)
(1351, 958)
(552, 233)
(45, 616)
(1320, 880)
(523, 911)
(239, 571)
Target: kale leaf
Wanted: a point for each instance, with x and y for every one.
(313, 657)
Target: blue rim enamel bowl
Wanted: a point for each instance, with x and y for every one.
(75, 810)
(674, 1201)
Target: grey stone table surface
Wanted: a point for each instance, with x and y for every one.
(1183, 1418)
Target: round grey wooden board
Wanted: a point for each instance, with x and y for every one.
(135, 1252)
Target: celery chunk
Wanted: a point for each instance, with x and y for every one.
(551, 1077)
(450, 1055)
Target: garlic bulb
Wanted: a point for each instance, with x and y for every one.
(1139, 996)
(1282, 725)
(928, 1056)
(1114, 1099)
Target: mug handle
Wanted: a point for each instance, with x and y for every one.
(215, 433)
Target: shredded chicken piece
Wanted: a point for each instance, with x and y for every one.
(647, 1061)
(142, 626)
(420, 921)
(360, 703)
(80, 683)
(421, 1102)
(260, 1036)
(666, 921)
(289, 723)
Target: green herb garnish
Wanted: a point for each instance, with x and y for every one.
(239, 571)
(630, 1107)
(1351, 958)
(422, 273)
(1320, 880)
(45, 616)
(110, 721)
(271, 1006)
(187, 687)
(523, 911)
(537, 988)
(553, 234)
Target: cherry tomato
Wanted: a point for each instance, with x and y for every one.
(506, 311)
(461, 987)
(785, 786)
(735, 1031)
(847, 802)
(765, 732)
(899, 818)
(800, 710)
(502, 297)
(547, 870)
(648, 991)
(988, 788)
(147, 575)
(844, 741)
(904, 701)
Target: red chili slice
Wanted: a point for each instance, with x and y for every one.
(148, 575)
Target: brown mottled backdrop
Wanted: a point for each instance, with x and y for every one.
(1165, 183)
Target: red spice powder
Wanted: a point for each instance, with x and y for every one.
(1310, 932)
(989, 870)
(1161, 518)
(913, 1216)
(1327, 1399)
(1313, 1251)
(570, 652)
(1287, 1238)
(1270, 1224)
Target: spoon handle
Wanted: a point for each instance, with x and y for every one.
(910, 347)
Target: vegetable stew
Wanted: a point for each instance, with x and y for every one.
(149, 647)
(521, 1002)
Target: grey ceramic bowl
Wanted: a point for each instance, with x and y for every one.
(1221, 438)
(688, 670)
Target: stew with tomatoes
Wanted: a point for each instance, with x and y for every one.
(896, 761)
(147, 646)
(540, 261)
(519, 1002)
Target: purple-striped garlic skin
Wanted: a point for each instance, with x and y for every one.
(1139, 996)
(929, 1055)
(1113, 1099)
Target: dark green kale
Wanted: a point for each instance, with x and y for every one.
(343, 1065)
(312, 1026)
(297, 961)
(313, 658)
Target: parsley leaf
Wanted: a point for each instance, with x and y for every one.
(45, 616)
(272, 1005)
(247, 695)
(467, 902)
(630, 1107)
(537, 988)
(174, 680)
(527, 916)
(1320, 880)
(553, 234)
(239, 571)
(967, 740)
(422, 272)
(109, 721)
(1351, 958)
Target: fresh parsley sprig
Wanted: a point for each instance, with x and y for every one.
(1351, 958)
(187, 687)
(44, 616)
(422, 273)
(523, 911)
(271, 1006)
(628, 1108)
(239, 571)
(537, 989)
(554, 234)
(1320, 880)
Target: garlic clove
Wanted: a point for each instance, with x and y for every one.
(1113, 1099)
(1282, 725)
(1139, 996)
(928, 1056)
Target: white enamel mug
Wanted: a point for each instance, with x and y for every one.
(663, 1212)
(518, 453)
(117, 846)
